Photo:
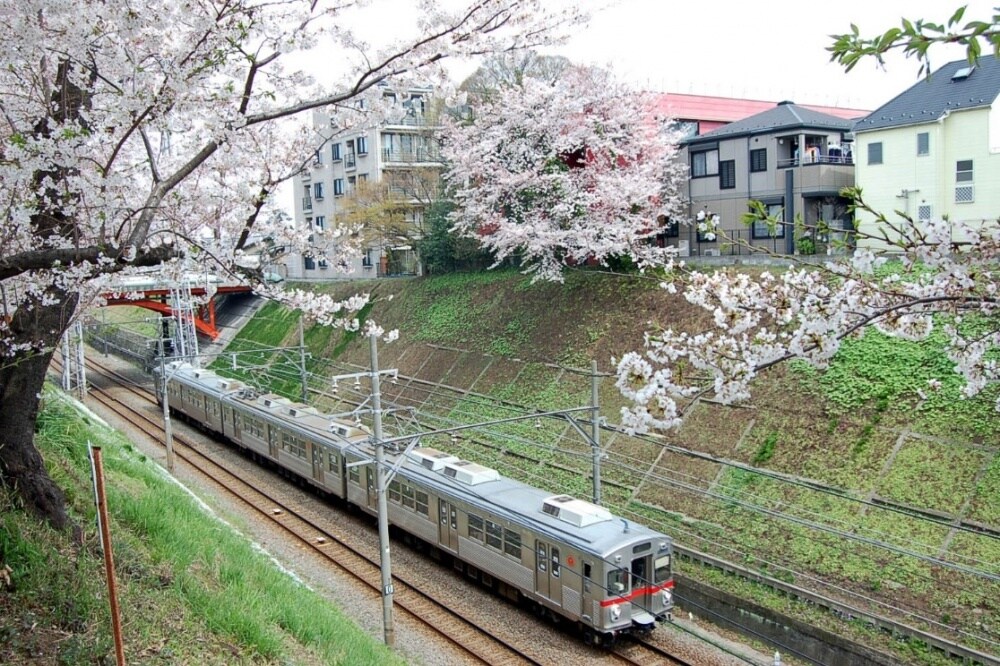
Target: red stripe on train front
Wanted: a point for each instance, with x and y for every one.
(649, 589)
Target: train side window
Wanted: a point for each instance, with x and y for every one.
(541, 556)
(586, 576)
(494, 535)
(408, 496)
(475, 527)
(555, 562)
(512, 544)
(333, 462)
(422, 503)
(662, 568)
(394, 495)
(443, 511)
(454, 519)
(355, 475)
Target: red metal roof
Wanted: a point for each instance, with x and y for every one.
(714, 112)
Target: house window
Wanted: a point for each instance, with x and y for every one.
(318, 191)
(964, 190)
(323, 264)
(761, 229)
(362, 145)
(758, 160)
(309, 263)
(705, 163)
(727, 174)
(335, 152)
(338, 187)
(368, 258)
(924, 143)
(875, 153)
(320, 222)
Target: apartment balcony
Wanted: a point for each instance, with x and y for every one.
(417, 156)
(350, 161)
(414, 120)
(821, 175)
(307, 203)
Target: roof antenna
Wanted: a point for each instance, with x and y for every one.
(625, 523)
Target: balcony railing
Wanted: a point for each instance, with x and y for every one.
(307, 203)
(816, 159)
(350, 161)
(409, 156)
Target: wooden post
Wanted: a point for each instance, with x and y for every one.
(109, 560)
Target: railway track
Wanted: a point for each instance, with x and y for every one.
(476, 642)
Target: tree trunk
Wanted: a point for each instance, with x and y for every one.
(21, 380)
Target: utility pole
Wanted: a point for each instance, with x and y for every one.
(168, 434)
(302, 361)
(595, 429)
(383, 509)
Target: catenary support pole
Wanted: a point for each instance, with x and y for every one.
(168, 434)
(383, 510)
(595, 429)
(302, 361)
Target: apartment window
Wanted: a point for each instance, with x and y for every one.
(875, 153)
(323, 264)
(351, 182)
(309, 263)
(964, 190)
(362, 177)
(368, 258)
(758, 160)
(727, 174)
(775, 210)
(338, 187)
(318, 191)
(320, 222)
(349, 160)
(924, 143)
(318, 158)
(704, 163)
(362, 145)
(335, 152)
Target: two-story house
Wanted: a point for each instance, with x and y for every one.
(400, 156)
(933, 151)
(791, 158)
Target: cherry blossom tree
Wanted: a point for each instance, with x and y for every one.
(562, 172)
(134, 135)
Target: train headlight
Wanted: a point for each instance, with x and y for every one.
(616, 613)
(667, 597)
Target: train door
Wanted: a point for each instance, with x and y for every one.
(317, 460)
(448, 525)
(589, 592)
(237, 425)
(641, 581)
(548, 572)
(272, 441)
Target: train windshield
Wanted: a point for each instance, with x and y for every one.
(662, 568)
(617, 581)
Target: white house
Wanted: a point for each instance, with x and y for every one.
(934, 150)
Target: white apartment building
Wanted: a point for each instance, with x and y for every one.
(401, 155)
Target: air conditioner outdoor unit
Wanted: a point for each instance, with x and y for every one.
(711, 252)
(684, 248)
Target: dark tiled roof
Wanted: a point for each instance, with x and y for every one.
(933, 97)
(784, 116)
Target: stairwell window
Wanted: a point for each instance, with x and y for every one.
(875, 153)
(964, 189)
(335, 152)
(727, 174)
(923, 143)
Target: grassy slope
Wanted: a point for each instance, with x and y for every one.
(191, 591)
(862, 428)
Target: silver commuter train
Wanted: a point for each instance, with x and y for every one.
(570, 558)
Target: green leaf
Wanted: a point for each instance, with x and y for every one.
(957, 16)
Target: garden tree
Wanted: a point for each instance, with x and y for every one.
(506, 71)
(136, 135)
(442, 250)
(562, 172)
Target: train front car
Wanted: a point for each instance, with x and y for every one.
(638, 582)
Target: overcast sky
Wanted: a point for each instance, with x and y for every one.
(771, 49)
